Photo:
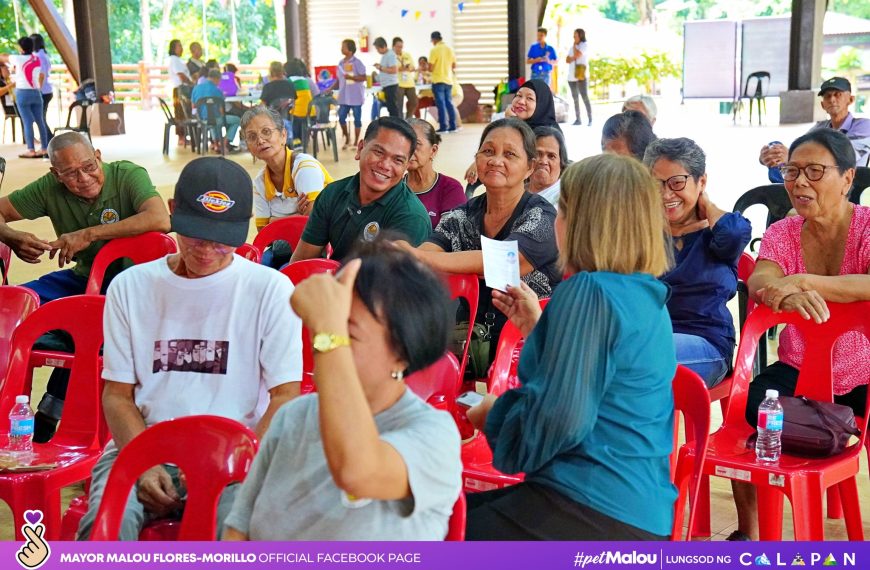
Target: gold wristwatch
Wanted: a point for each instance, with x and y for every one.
(326, 342)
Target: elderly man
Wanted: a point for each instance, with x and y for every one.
(232, 346)
(359, 207)
(642, 103)
(836, 94)
(88, 202)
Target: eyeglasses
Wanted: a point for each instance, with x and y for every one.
(253, 136)
(813, 172)
(89, 167)
(675, 183)
(218, 248)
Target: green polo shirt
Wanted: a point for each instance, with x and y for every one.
(126, 187)
(338, 218)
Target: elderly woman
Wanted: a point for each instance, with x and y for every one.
(592, 424)
(707, 243)
(438, 192)
(627, 133)
(505, 212)
(290, 181)
(533, 104)
(363, 458)
(644, 104)
(278, 87)
(551, 160)
(820, 255)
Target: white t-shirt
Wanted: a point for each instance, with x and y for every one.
(584, 59)
(212, 345)
(27, 71)
(177, 66)
(307, 177)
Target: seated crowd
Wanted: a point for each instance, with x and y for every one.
(637, 261)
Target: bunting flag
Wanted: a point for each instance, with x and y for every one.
(417, 15)
(404, 13)
(461, 6)
(432, 13)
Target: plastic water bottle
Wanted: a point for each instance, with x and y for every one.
(21, 426)
(768, 444)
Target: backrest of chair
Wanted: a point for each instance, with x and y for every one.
(745, 267)
(140, 249)
(323, 105)
(214, 110)
(692, 400)
(289, 229)
(861, 183)
(167, 112)
(456, 525)
(773, 196)
(816, 374)
(465, 286)
(758, 77)
(16, 304)
(82, 317)
(5, 259)
(438, 383)
(250, 252)
(502, 374)
(211, 451)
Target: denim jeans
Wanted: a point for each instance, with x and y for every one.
(542, 75)
(29, 103)
(344, 111)
(697, 354)
(446, 113)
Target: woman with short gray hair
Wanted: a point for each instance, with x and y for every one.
(707, 243)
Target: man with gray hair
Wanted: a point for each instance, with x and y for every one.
(88, 202)
(643, 103)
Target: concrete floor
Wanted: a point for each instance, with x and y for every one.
(732, 166)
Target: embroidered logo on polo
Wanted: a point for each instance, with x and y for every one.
(215, 201)
(371, 231)
(109, 216)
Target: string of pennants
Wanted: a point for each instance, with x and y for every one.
(417, 14)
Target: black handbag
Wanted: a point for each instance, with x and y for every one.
(816, 429)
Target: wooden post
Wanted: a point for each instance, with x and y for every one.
(144, 86)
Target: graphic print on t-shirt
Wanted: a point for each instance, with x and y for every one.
(191, 355)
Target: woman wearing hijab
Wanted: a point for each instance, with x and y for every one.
(533, 103)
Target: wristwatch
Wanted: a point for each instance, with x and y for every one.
(326, 342)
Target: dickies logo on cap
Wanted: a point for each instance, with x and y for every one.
(215, 201)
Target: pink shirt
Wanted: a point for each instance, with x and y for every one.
(782, 245)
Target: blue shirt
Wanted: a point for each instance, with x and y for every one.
(594, 417)
(203, 90)
(537, 51)
(704, 278)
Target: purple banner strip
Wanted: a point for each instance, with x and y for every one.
(444, 555)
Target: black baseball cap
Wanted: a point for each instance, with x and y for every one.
(213, 201)
(435, 35)
(837, 84)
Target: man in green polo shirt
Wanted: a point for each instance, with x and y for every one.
(88, 202)
(361, 206)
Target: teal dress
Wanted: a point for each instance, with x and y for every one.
(593, 419)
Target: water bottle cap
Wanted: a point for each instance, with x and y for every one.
(771, 394)
(22, 399)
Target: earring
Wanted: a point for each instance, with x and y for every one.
(397, 375)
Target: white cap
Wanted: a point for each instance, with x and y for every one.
(22, 399)
(771, 394)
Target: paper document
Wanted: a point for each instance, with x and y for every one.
(501, 263)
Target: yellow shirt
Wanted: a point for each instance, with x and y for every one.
(441, 62)
(406, 78)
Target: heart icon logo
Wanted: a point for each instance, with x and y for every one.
(33, 517)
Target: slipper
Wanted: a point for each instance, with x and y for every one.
(30, 154)
(738, 536)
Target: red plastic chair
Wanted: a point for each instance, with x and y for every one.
(456, 526)
(803, 480)
(211, 451)
(289, 229)
(6, 259)
(465, 286)
(438, 383)
(298, 272)
(250, 252)
(693, 401)
(16, 303)
(76, 446)
(140, 249)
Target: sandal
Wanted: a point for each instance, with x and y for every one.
(738, 536)
(30, 154)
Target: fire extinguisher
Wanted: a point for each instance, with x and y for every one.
(364, 39)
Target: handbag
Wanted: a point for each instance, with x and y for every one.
(580, 72)
(477, 362)
(815, 429)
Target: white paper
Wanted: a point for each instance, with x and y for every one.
(501, 263)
